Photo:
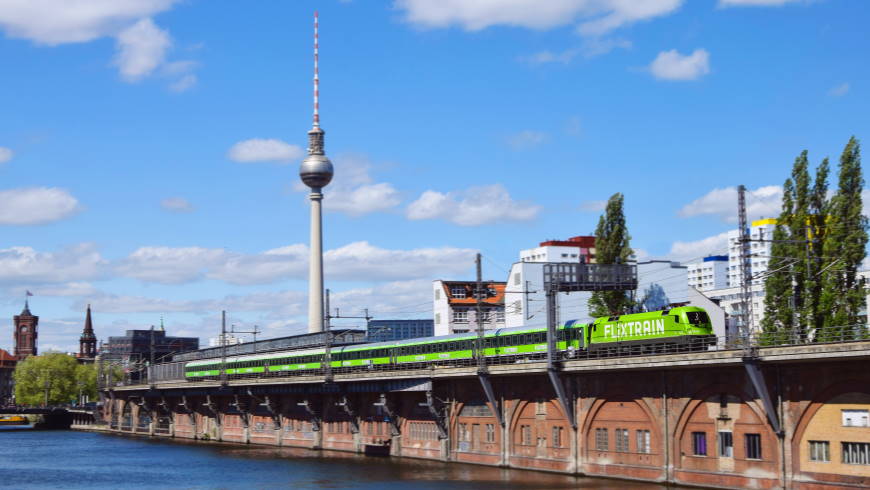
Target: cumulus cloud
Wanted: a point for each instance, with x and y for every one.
(692, 250)
(36, 205)
(595, 17)
(526, 139)
(764, 202)
(264, 150)
(355, 261)
(141, 48)
(5, 154)
(176, 205)
(25, 265)
(671, 65)
(472, 207)
(353, 190)
(839, 90)
(593, 206)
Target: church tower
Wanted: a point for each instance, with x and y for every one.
(88, 341)
(25, 332)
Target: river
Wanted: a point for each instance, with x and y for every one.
(71, 459)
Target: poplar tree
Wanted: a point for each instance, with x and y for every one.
(816, 234)
(612, 246)
(843, 293)
(778, 313)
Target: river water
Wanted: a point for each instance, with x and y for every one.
(71, 459)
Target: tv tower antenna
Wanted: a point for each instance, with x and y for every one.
(316, 172)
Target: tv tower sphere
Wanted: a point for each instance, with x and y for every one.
(316, 170)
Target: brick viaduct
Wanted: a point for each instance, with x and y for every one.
(636, 418)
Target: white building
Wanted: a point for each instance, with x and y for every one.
(709, 273)
(759, 252)
(228, 339)
(455, 306)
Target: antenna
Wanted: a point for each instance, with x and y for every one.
(316, 75)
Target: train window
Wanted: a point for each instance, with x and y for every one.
(697, 317)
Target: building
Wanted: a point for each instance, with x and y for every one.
(25, 333)
(143, 345)
(87, 341)
(224, 339)
(7, 382)
(386, 330)
(455, 306)
(709, 273)
(574, 249)
(759, 252)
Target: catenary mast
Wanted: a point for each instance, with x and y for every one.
(316, 172)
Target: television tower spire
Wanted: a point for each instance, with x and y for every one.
(316, 172)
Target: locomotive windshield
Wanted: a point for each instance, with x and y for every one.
(697, 317)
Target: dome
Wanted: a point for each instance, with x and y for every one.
(316, 171)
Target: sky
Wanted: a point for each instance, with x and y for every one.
(149, 149)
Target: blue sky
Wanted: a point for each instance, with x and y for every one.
(149, 148)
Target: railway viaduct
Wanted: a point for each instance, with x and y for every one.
(788, 417)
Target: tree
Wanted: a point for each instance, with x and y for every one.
(842, 291)
(816, 234)
(53, 378)
(612, 246)
(778, 313)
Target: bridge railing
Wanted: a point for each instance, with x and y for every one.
(174, 371)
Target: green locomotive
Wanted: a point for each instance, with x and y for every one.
(681, 328)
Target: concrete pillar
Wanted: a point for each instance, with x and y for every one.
(152, 425)
(279, 430)
(315, 271)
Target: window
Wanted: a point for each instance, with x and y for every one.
(601, 443)
(753, 446)
(855, 418)
(699, 443)
(437, 294)
(458, 292)
(490, 433)
(499, 316)
(856, 452)
(643, 445)
(621, 440)
(464, 435)
(460, 316)
(438, 318)
(540, 407)
(517, 279)
(557, 436)
(726, 444)
(820, 451)
(526, 435)
(518, 307)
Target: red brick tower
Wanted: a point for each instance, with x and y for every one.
(25, 333)
(88, 341)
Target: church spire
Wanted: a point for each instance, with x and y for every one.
(88, 341)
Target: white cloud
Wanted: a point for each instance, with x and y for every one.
(755, 3)
(713, 245)
(73, 289)
(593, 206)
(264, 150)
(671, 65)
(526, 139)
(355, 261)
(597, 16)
(353, 190)
(36, 205)
(176, 205)
(5, 154)
(472, 207)
(839, 90)
(547, 56)
(54, 22)
(764, 202)
(141, 48)
(183, 84)
(24, 265)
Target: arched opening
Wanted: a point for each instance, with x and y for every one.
(621, 430)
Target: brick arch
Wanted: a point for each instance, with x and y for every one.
(849, 385)
(520, 406)
(702, 395)
(599, 403)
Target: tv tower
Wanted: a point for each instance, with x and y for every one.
(316, 172)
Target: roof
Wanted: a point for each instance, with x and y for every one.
(6, 357)
(469, 299)
(574, 241)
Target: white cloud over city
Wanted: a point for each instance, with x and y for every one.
(763, 202)
(256, 150)
(354, 191)
(671, 65)
(472, 207)
(36, 205)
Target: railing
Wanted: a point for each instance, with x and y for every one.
(174, 371)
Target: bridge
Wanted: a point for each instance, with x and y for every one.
(766, 417)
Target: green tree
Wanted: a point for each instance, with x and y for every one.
(778, 313)
(53, 377)
(612, 246)
(842, 291)
(816, 234)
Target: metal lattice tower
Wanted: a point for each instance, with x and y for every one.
(316, 172)
(745, 266)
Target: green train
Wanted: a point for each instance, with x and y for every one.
(676, 329)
